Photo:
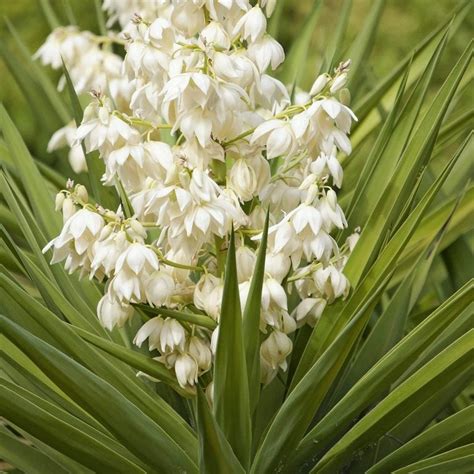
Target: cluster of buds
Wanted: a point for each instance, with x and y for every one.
(201, 138)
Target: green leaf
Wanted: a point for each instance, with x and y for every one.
(41, 77)
(193, 318)
(455, 359)
(292, 70)
(40, 198)
(336, 316)
(421, 417)
(49, 14)
(133, 358)
(274, 23)
(391, 325)
(118, 375)
(384, 92)
(435, 439)
(362, 46)
(384, 156)
(384, 373)
(14, 451)
(456, 460)
(215, 454)
(334, 50)
(412, 160)
(42, 110)
(27, 379)
(231, 392)
(44, 420)
(251, 321)
(126, 421)
(297, 411)
(100, 18)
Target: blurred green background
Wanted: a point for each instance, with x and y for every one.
(403, 25)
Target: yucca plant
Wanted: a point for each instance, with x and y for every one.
(377, 382)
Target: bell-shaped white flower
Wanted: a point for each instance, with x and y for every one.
(275, 349)
(331, 282)
(266, 52)
(77, 237)
(215, 34)
(279, 138)
(112, 313)
(172, 336)
(252, 25)
(159, 289)
(186, 369)
(201, 352)
(309, 310)
(151, 330)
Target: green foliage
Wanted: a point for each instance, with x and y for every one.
(379, 385)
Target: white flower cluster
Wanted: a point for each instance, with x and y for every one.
(201, 138)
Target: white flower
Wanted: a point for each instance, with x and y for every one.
(275, 349)
(107, 250)
(280, 138)
(64, 44)
(66, 136)
(265, 52)
(215, 34)
(165, 335)
(331, 213)
(132, 270)
(319, 84)
(245, 258)
(186, 369)
(252, 25)
(309, 310)
(138, 259)
(331, 282)
(112, 313)
(201, 352)
(151, 330)
(208, 295)
(172, 336)
(78, 235)
(326, 165)
(247, 177)
(159, 288)
(101, 129)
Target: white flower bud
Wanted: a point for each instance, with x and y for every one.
(275, 349)
(59, 200)
(215, 34)
(309, 310)
(172, 336)
(137, 228)
(338, 83)
(105, 232)
(352, 240)
(81, 193)
(151, 330)
(69, 209)
(242, 179)
(245, 263)
(252, 25)
(112, 313)
(186, 370)
(332, 199)
(277, 265)
(319, 84)
(200, 352)
(159, 288)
